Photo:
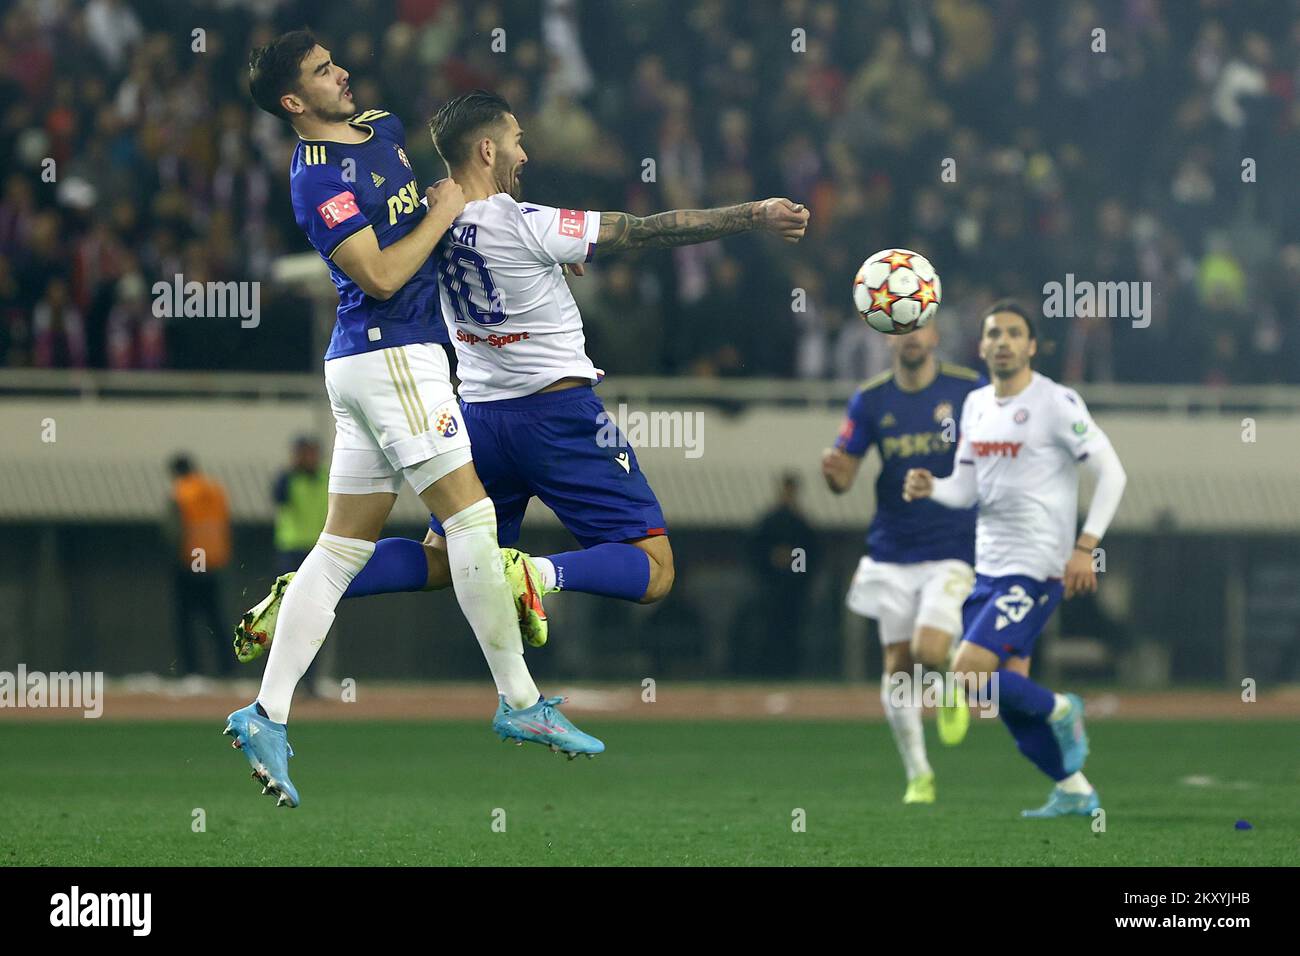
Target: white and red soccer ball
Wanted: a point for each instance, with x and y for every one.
(897, 291)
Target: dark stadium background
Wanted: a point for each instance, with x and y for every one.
(1123, 165)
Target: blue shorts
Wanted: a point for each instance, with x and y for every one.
(565, 449)
(1006, 614)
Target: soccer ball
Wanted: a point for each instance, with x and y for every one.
(897, 291)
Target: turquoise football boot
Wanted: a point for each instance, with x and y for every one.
(1071, 735)
(1062, 804)
(543, 723)
(266, 745)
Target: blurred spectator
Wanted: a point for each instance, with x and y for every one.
(778, 554)
(301, 495)
(197, 524)
(58, 335)
(989, 135)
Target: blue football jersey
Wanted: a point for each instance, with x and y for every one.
(339, 189)
(907, 429)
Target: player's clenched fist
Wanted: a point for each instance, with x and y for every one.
(918, 483)
(787, 219)
(447, 195)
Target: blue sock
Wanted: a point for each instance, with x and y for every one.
(398, 564)
(610, 570)
(1019, 694)
(1036, 741)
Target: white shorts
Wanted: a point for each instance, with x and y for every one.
(905, 597)
(394, 409)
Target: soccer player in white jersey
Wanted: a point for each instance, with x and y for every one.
(526, 380)
(357, 199)
(1023, 438)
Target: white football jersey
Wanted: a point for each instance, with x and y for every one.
(1025, 450)
(507, 306)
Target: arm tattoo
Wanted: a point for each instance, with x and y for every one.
(678, 227)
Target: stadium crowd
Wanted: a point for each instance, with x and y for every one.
(994, 136)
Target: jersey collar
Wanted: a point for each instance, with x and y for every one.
(366, 126)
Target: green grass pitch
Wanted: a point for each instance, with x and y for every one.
(674, 793)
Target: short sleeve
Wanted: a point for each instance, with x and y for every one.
(1073, 425)
(327, 209)
(560, 235)
(856, 434)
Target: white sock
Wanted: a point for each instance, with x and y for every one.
(1075, 783)
(909, 735)
(306, 616)
(1060, 707)
(546, 568)
(478, 575)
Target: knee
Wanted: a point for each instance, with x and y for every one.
(661, 580)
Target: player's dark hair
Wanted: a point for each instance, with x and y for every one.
(273, 70)
(462, 120)
(1012, 306)
(181, 465)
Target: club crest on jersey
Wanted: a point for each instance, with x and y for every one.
(1021, 416)
(447, 425)
(401, 154)
(943, 412)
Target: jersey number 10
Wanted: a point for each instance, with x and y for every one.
(458, 265)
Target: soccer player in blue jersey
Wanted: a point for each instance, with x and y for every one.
(1024, 439)
(918, 569)
(358, 201)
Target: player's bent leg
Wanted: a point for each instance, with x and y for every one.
(662, 575)
(617, 569)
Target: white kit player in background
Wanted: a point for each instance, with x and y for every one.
(1023, 438)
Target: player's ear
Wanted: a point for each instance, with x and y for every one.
(292, 104)
(487, 150)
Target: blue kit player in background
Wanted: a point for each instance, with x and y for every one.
(918, 571)
(388, 379)
(1023, 441)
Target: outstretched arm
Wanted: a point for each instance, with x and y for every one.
(684, 227)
